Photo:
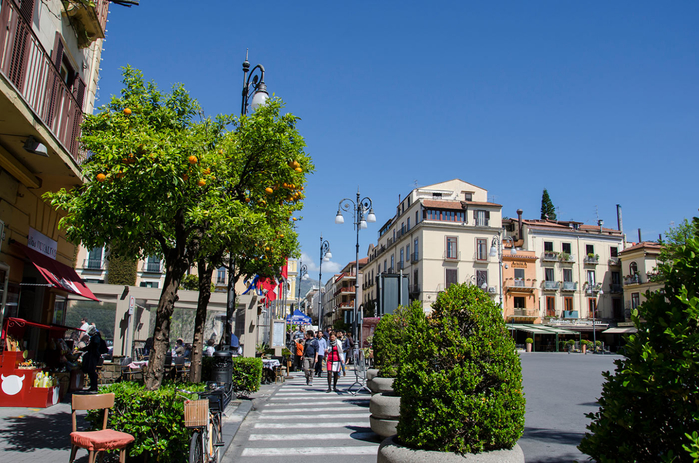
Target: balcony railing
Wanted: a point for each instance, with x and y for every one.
(414, 289)
(591, 260)
(346, 305)
(591, 290)
(615, 288)
(153, 267)
(521, 284)
(570, 314)
(633, 280)
(550, 285)
(550, 256)
(25, 63)
(566, 258)
(569, 286)
(525, 313)
(614, 261)
(414, 257)
(93, 264)
(452, 255)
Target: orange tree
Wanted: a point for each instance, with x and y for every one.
(162, 180)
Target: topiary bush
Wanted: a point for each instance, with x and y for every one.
(154, 418)
(461, 380)
(649, 406)
(389, 338)
(247, 374)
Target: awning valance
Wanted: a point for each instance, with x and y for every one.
(621, 330)
(539, 329)
(56, 274)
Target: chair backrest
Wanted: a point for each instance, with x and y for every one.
(92, 402)
(179, 361)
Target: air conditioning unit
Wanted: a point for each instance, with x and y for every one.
(492, 289)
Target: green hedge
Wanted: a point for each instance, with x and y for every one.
(121, 271)
(247, 374)
(389, 339)
(154, 418)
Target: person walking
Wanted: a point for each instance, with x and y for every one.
(299, 348)
(93, 354)
(334, 358)
(322, 345)
(346, 348)
(310, 356)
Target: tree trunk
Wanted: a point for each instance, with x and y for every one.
(176, 268)
(200, 320)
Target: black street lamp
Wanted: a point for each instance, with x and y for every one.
(362, 212)
(259, 96)
(326, 255)
(302, 275)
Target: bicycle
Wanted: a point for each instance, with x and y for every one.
(204, 417)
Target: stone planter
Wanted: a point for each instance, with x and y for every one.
(390, 452)
(385, 411)
(371, 373)
(381, 385)
(529, 347)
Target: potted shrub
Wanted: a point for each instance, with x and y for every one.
(460, 385)
(529, 342)
(583, 346)
(598, 345)
(571, 345)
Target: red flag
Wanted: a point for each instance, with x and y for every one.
(285, 270)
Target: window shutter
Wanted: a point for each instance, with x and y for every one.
(27, 10)
(81, 92)
(487, 214)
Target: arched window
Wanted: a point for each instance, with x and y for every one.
(633, 268)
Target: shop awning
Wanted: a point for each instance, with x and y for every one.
(539, 329)
(56, 274)
(621, 330)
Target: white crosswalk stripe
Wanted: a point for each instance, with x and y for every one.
(289, 451)
(307, 437)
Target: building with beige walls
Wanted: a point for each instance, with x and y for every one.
(340, 299)
(440, 235)
(520, 287)
(50, 54)
(639, 264)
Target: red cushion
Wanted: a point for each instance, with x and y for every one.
(107, 439)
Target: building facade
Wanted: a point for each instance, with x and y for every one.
(639, 264)
(440, 235)
(50, 53)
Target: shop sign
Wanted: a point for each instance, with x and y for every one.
(519, 264)
(41, 243)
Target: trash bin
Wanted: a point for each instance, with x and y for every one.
(222, 371)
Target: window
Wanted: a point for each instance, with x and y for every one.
(94, 259)
(149, 284)
(393, 261)
(221, 276)
(468, 196)
(548, 246)
(451, 248)
(407, 252)
(153, 265)
(482, 279)
(415, 250)
(635, 300)
(402, 255)
(416, 218)
(590, 249)
(567, 275)
(614, 251)
(592, 307)
(548, 272)
(550, 306)
(407, 224)
(568, 304)
(565, 247)
(415, 280)
(633, 268)
(590, 278)
(481, 249)
(451, 277)
(520, 303)
(616, 278)
(519, 274)
(385, 266)
(481, 218)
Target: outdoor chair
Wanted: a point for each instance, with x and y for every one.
(97, 441)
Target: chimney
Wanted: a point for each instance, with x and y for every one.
(600, 222)
(619, 223)
(519, 223)
(639, 236)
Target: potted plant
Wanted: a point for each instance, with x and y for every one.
(529, 342)
(598, 346)
(571, 345)
(583, 346)
(460, 385)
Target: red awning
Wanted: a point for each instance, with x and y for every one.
(58, 275)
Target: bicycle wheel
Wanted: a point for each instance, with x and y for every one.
(216, 429)
(210, 439)
(195, 448)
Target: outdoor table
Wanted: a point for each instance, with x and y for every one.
(268, 375)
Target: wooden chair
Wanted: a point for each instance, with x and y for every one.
(97, 441)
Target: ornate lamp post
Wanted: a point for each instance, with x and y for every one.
(362, 212)
(259, 96)
(496, 251)
(302, 275)
(325, 255)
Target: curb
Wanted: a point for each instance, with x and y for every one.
(232, 421)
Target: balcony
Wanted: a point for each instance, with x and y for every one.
(451, 255)
(345, 290)
(550, 256)
(346, 305)
(414, 257)
(25, 63)
(566, 258)
(525, 313)
(152, 267)
(592, 290)
(414, 289)
(633, 280)
(569, 286)
(591, 259)
(93, 264)
(614, 261)
(615, 288)
(570, 314)
(401, 265)
(519, 285)
(551, 286)
(89, 21)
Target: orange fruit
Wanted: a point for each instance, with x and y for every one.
(127, 111)
(101, 177)
(120, 174)
(247, 200)
(192, 159)
(185, 177)
(294, 219)
(281, 236)
(263, 202)
(201, 182)
(295, 164)
(298, 169)
(269, 191)
(220, 151)
(207, 171)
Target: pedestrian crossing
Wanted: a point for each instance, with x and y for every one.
(301, 423)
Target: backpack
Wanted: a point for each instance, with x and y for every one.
(103, 348)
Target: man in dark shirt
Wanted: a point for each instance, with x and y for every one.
(310, 356)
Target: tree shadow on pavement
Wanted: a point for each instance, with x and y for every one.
(37, 431)
(553, 436)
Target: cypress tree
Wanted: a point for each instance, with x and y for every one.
(547, 209)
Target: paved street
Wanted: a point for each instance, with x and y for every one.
(304, 423)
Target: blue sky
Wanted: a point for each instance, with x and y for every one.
(596, 101)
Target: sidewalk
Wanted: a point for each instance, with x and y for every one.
(43, 434)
